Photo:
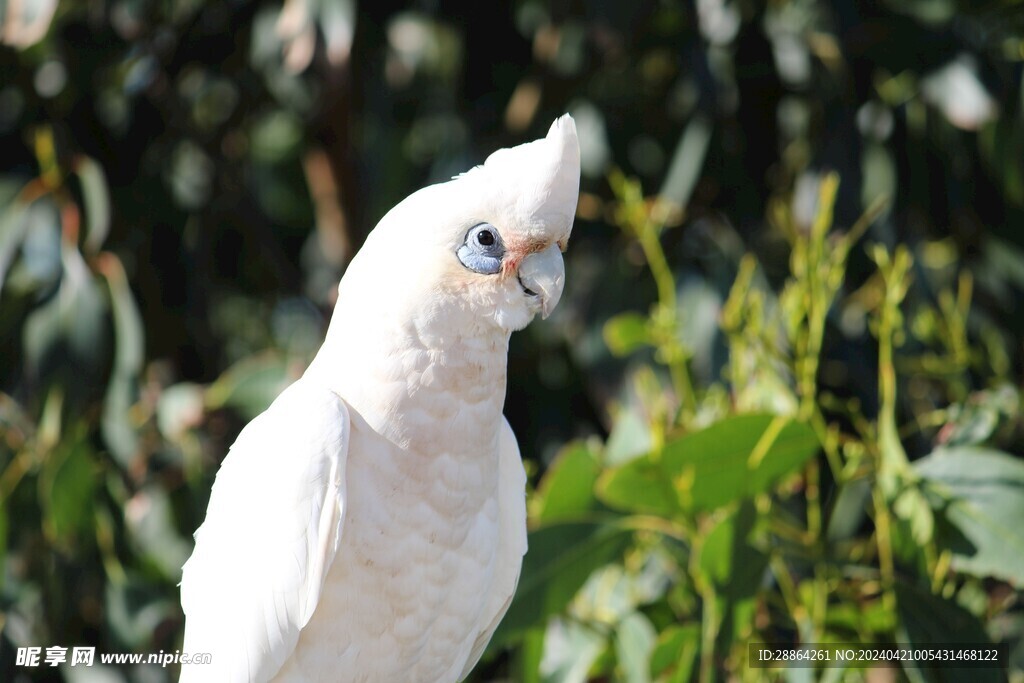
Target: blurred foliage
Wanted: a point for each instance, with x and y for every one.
(780, 400)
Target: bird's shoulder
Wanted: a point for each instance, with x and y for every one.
(271, 532)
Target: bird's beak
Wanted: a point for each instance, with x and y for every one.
(542, 275)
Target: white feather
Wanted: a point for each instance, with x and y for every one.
(271, 532)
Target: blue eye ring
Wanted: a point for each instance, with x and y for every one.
(482, 249)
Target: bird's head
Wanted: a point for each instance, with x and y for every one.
(510, 249)
(489, 241)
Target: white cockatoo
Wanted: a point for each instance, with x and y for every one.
(370, 525)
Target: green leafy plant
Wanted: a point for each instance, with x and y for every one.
(764, 507)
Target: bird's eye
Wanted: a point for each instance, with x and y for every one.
(482, 250)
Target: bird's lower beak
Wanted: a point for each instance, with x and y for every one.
(542, 275)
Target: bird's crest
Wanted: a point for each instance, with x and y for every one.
(543, 175)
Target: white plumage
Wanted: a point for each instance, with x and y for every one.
(370, 525)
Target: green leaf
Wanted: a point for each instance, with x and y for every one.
(614, 591)
(912, 507)
(275, 136)
(733, 459)
(66, 338)
(567, 488)
(179, 408)
(635, 638)
(981, 494)
(526, 667)
(13, 226)
(96, 199)
(849, 509)
(570, 650)
(30, 245)
(640, 486)
(561, 557)
(973, 421)
(67, 485)
(688, 161)
(727, 559)
(926, 619)
(149, 520)
(119, 433)
(627, 332)
(675, 653)
(730, 563)
(250, 385)
(630, 438)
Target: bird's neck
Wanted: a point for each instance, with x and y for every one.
(421, 377)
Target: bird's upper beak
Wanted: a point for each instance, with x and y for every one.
(543, 274)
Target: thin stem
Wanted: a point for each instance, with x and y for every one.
(648, 234)
(883, 536)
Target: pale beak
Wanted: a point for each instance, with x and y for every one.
(542, 275)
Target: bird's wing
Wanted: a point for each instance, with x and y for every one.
(511, 541)
(271, 533)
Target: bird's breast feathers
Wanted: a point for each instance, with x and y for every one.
(422, 541)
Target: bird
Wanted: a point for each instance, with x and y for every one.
(370, 525)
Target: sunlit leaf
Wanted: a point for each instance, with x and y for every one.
(97, 203)
(67, 337)
(733, 459)
(641, 485)
(974, 421)
(981, 493)
(630, 437)
(338, 23)
(911, 506)
(570, 649)
(675, 653)
(30, 247)
(27, 22)
(626, 333)
(12, 231)
(567, 488)
(250, 385)
(687, 161)
(959, 94)
(119, 433)
(879, 173)
(179, 408)
(635, 639)
(614, 591)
